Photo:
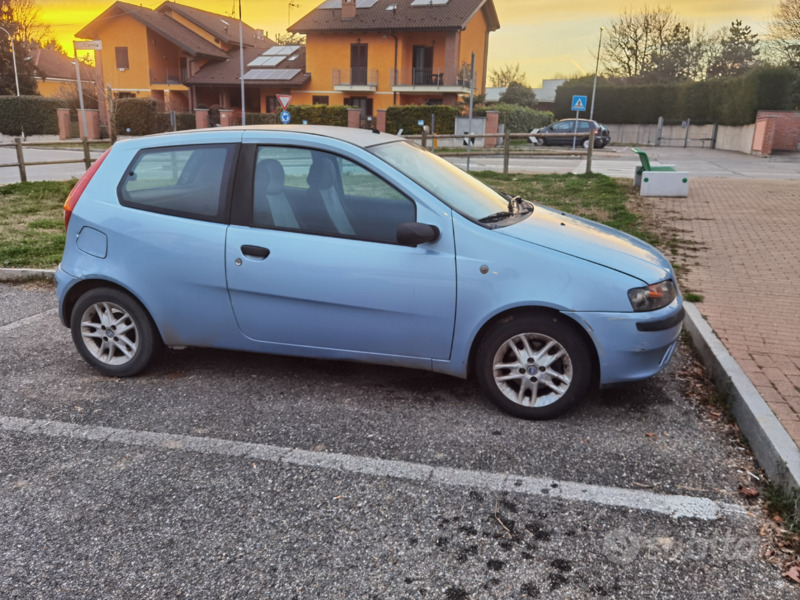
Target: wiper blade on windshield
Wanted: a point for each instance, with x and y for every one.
(516, 203)
(499, 216)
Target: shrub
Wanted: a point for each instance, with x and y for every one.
(136, 116)
(34, 115)
(408, 116)
(521, 119)
(318, 114)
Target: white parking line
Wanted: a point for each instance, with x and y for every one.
(27, 320)
(641, 500)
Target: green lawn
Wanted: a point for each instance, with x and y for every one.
(32, 222)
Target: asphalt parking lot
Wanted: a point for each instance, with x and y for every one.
(231, 475)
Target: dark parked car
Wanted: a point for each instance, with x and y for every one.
(582, 129)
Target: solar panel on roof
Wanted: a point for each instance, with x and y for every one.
(338, 4)
(266, 61)
(270, 74)
(428, 2)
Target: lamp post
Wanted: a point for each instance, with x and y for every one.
(596, 67)
(13, 58)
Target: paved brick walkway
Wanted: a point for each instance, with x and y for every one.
(748, 270)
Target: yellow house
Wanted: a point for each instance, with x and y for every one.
(154, 53)
(56, 77)
(377, 53)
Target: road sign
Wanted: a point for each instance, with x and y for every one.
(93, 45)
(578, 103)
(284, 99)
(286, 118)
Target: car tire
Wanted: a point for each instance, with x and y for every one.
(114, 333)
(586, 144)
(534, 366)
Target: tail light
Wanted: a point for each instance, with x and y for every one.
(75, 193)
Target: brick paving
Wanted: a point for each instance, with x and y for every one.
(747, 268)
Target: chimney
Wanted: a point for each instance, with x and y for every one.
(348, 10)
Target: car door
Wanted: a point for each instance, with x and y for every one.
(563, 127)
(316, 266)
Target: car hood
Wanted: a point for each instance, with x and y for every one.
(592, 242)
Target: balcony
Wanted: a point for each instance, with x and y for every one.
(427, 81)
(356, 79)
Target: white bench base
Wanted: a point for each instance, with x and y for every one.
(665, 183)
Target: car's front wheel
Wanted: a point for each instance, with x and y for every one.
(114, 333)
(534, 366)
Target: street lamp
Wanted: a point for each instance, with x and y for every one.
(596, 67)
(13, 58)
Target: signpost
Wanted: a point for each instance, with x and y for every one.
(578, 104)
(285, 100)
(91, 45)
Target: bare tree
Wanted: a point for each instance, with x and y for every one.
(634, 38)
(506, 75)
(784, 29)
(28, 17)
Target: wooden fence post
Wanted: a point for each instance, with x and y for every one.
(23, 176)
(506, 150)
(87, 158)
(589, 154)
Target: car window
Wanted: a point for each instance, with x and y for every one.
(185, 181)
(315, 192)
(583, 126)
(564, 126)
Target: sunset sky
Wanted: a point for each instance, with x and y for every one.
(547, 38)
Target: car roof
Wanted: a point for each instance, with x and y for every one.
(363, 138)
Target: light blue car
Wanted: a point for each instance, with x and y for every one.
(347, 244)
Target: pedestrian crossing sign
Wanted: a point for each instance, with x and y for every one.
(578, 103)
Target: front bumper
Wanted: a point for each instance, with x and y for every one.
(633, 346)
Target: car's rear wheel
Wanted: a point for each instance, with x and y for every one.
(534, 366)
(114, 333)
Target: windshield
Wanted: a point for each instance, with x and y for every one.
(459, 190)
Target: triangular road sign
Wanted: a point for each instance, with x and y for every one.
(284, 99)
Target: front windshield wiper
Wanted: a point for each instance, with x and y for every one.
(516, 206)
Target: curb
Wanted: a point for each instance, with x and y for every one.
(775, 451)
(23, 274)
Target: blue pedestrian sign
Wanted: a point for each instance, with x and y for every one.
(578, 103)
(285, 117)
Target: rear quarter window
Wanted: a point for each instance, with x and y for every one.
(185, 181)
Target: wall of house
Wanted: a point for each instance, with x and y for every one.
(475, 39)
(128, 32)
(189, 25)
(165, 59)
(328, 52)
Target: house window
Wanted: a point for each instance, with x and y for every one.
(358, 64)
(319, 100)
(121, 54)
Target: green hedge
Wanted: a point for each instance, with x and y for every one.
(723, 100)
(33, 114)
(517, 118)
(183, 121)
(261, 119)
(319, 114)
(136, 116)
(406, 118)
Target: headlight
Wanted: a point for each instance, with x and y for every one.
(652, 297)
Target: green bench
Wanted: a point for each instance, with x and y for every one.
(662, 180)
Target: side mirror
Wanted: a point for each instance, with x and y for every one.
(414, 234)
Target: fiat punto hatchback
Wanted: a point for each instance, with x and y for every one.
(347, 244)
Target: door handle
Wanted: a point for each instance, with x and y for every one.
(255, 251)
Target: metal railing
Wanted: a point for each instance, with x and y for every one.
(355, 76)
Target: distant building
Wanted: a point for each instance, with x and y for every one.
(545, 95)
(56, 77)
